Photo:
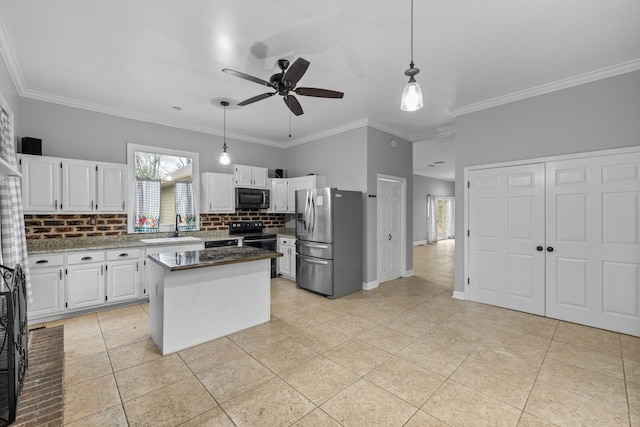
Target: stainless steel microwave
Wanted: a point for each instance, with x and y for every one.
(252, 198)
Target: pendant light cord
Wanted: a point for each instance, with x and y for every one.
(411, 33)
(224, 124)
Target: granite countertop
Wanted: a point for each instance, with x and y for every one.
(43, 246)
(175, 261)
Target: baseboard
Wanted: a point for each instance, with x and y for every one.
(419, 242)
(408, 273)
(458, 295)
(367, 286)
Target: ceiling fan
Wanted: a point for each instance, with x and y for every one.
(284, 82)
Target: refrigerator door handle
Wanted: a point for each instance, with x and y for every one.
(306, 214)
(314, 245)
(313, 214)
(315, 261)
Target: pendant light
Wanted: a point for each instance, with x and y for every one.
(412, 94)
(224, 157)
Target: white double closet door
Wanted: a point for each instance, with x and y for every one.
(559, 238)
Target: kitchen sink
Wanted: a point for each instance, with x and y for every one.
(162, 240)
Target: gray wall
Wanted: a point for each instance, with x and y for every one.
(423, 185)
(340, 157)
(86, 135)
(600, 115)
(382, 159)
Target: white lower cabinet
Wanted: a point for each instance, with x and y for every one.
(47, 285)
(287, 263)
(85, 280)
(63, 283)
(124, 275)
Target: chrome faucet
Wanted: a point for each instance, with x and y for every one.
(177, 232)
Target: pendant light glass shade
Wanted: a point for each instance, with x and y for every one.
(412, 93)
(224, 157)
(411, 96)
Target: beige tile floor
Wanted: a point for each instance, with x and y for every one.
(405, 353)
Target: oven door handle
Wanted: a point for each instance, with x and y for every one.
(248, 242)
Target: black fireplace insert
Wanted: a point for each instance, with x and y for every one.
(13, 340)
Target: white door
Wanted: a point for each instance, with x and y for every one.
(280, 194)
(506, 237)
(123, 281)
(220, 197)
(389, 228)
(78, 186)
(40, 184)
(112, 187)
(593, 240)
(85, 285)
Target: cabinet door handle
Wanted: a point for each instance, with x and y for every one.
(539, 248)
(123, 254)
(42, 261)
(102, 270)
(92, 205)
(389, 236)
(550, 248)
(55, 203)
(60, 274)
(86, 258)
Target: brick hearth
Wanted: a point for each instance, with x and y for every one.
(41, 401)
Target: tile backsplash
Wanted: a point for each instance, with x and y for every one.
(58, 226)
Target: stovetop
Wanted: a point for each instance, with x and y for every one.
(249, 230)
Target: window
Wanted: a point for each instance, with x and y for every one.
(165, 183)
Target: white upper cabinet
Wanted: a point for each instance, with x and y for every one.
(250, 176)
(279, 194)
(78, 186)
(40, 183)
(217, 193)
(51, 185)
(112, 187)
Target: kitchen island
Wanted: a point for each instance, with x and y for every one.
(198, 296)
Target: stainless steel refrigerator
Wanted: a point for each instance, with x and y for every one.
(329, 241)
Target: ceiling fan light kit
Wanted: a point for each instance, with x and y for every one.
(284, 83)
(412, 93)
(224, 157)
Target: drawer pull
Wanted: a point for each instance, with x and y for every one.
(42, 261)
(123, 255)
(86, 258)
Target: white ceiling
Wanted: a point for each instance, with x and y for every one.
(137, 59)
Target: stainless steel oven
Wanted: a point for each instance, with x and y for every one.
(252, 235)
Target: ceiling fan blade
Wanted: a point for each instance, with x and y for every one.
(293, 104)
(295, 72)
(320, 93)
(247, 77)
(256, 98)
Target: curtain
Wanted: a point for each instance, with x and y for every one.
(432, 234)
(451, 219)
(185, 206)
(14, 242)
(147, 199)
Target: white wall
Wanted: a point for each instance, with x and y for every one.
(423, 185)
(600, 115)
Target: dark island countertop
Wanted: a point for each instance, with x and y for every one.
(174, 261)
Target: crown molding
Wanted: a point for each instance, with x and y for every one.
(9, 56)
(390, 130)
(615, 70)
(74, 103)
(326, 133)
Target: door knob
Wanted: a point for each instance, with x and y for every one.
(539, 248)
(550, 248)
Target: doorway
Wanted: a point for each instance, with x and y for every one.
(390, 227)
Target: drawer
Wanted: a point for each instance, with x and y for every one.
(46, 260)
(287, 241)
(123, 254)
(85, 257)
